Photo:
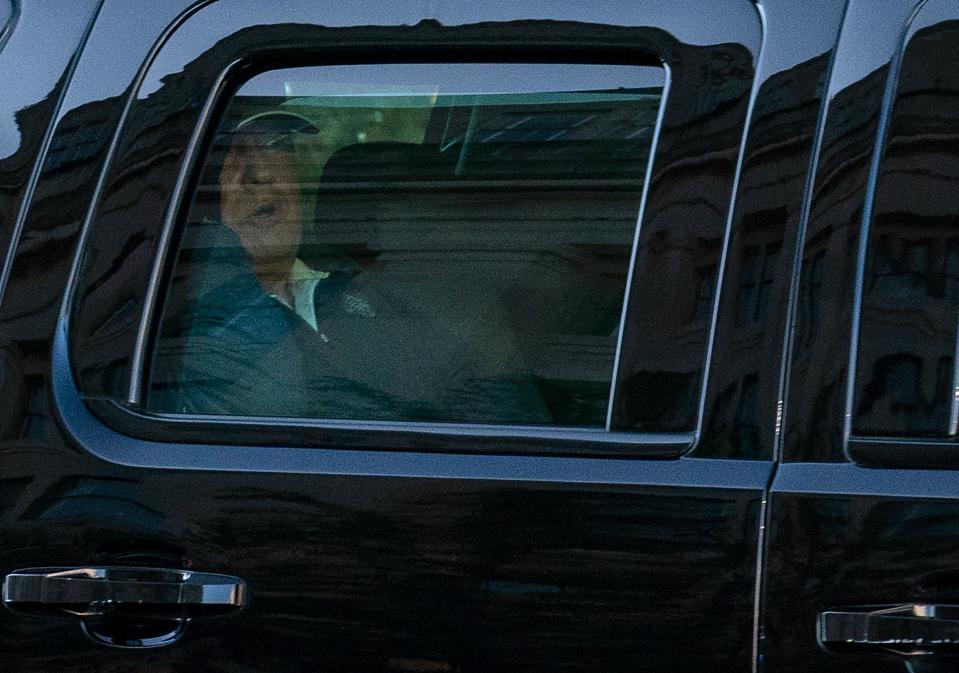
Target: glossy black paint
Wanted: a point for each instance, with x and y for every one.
(826, 293)
(409, 560)
(907, 342)
(662, 357)
(848, 550)
(741, 416)
(32, 91)
(843, 533)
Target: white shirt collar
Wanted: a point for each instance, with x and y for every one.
(302, 283)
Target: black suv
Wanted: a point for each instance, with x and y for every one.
(460, 337)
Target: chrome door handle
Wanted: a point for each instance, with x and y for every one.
(125, 606)
(915, 628)
(144, 591)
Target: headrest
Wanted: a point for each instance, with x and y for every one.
(389, 162)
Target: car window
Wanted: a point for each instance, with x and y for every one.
(410, 242)
(906, 379)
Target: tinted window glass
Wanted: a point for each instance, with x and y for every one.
(906, 381)
(410, 243)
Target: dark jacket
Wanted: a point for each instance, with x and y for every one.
(387, 346)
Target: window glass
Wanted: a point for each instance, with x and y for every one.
(414, 242)
(906, 381)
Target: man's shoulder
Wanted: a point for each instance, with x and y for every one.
(237, 307)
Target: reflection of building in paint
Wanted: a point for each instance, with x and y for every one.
(677, 262)
(907, 341)
(90, 499)
(909, 312)
(829, 265)
(740, 413)
(44, 250)
(911, 289)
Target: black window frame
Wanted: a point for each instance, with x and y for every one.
(232, 61)
(934, 450)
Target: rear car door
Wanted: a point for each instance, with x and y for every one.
(565, 173)
(861, 571)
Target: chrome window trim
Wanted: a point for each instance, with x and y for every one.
(667, 82)
(865, 227)
(511, 431)
(112, 446)
(151, 303)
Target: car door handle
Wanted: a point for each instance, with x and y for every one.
(142, 591)
(914, 628)
(125, 606)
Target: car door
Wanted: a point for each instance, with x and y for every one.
(616, 528)
(862, 535)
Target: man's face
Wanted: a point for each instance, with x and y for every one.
(260, 201)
